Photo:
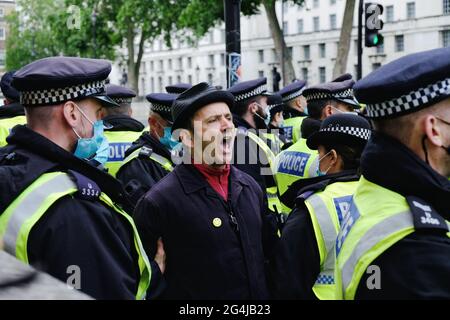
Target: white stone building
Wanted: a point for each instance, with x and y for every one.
(311, 32)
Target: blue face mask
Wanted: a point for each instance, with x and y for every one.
(167, 140)
(265, 119)
(305, 110)
(96, 147)
(319, 172)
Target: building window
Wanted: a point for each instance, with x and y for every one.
(307, 52)
(305, 74)
(275, 55)
(322, 50)
(446, 38)
(170, 80)
(380, 48)
(356, 47)
(290, 51)
(143, 85)
(285, 27)
(190, 78)
(260, 73)
(375, 66)
(390, 14)
(222, 36)
(210, 78)
(322, 75)
(399, 43)
(2, 12)
(211, 60)
(189, 62)
(333, 22)
(152, 85)
(316, 24)
(160, 84)
(161, 65)
(410, 10)
(152, 66)
(300, 25)
(261, 56)
(332, 2)
(211, 37)
(170, 64)
(2, 58)
(178, 79)
(180, 63)
(2, 33)
(222, 59)
(316, 3)
(446, 6)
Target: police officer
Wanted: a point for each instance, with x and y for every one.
(123, 128)
(298, 161)
(178, 88)
(305, 258)
(252, 152)
(149, 158)
(210, 215)
(12, 112)
(59, 213)
(275, 131)
(395, 242)
(295, 109)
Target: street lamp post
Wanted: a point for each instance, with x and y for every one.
(94, 22)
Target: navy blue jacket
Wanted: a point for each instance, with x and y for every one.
(73, 231)
(204, 261)
(142, 173)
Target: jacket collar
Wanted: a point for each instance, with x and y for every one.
(192, 180)
(11, 110)
(240, 122)
(27, 139)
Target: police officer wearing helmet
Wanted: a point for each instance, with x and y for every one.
(123, 128)
(304, 267)
(210, 215)
(275, 131)
(298, 161)
(58, 212)
(253, 153)
(295, 109)
(395, 243)
(12, 112)
(149, 159)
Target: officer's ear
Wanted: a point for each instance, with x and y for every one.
(253, 107)
(433, 131)
(70, 113)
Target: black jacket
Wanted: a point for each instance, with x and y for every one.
(74, 231)
(253, 159)
(297, 261)
(142, 173)
(203, 261)
(11, 110)
(418, 266)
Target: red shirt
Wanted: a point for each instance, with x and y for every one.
(217, 178)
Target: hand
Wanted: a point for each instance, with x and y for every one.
(160, 256)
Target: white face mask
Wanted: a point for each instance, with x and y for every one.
(319, 172)
(345, 112)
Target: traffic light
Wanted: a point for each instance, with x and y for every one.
(373, 24)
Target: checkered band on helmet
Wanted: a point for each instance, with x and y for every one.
(353, 131)
(253, 93)
(122, 100)
(58, 95)
(293, 95)
(410, 101)
(156, 107)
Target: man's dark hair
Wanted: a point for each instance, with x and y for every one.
(315, 107)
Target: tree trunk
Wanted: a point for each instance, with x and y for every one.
(340, 66)
(280, 44)
(132, 74)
